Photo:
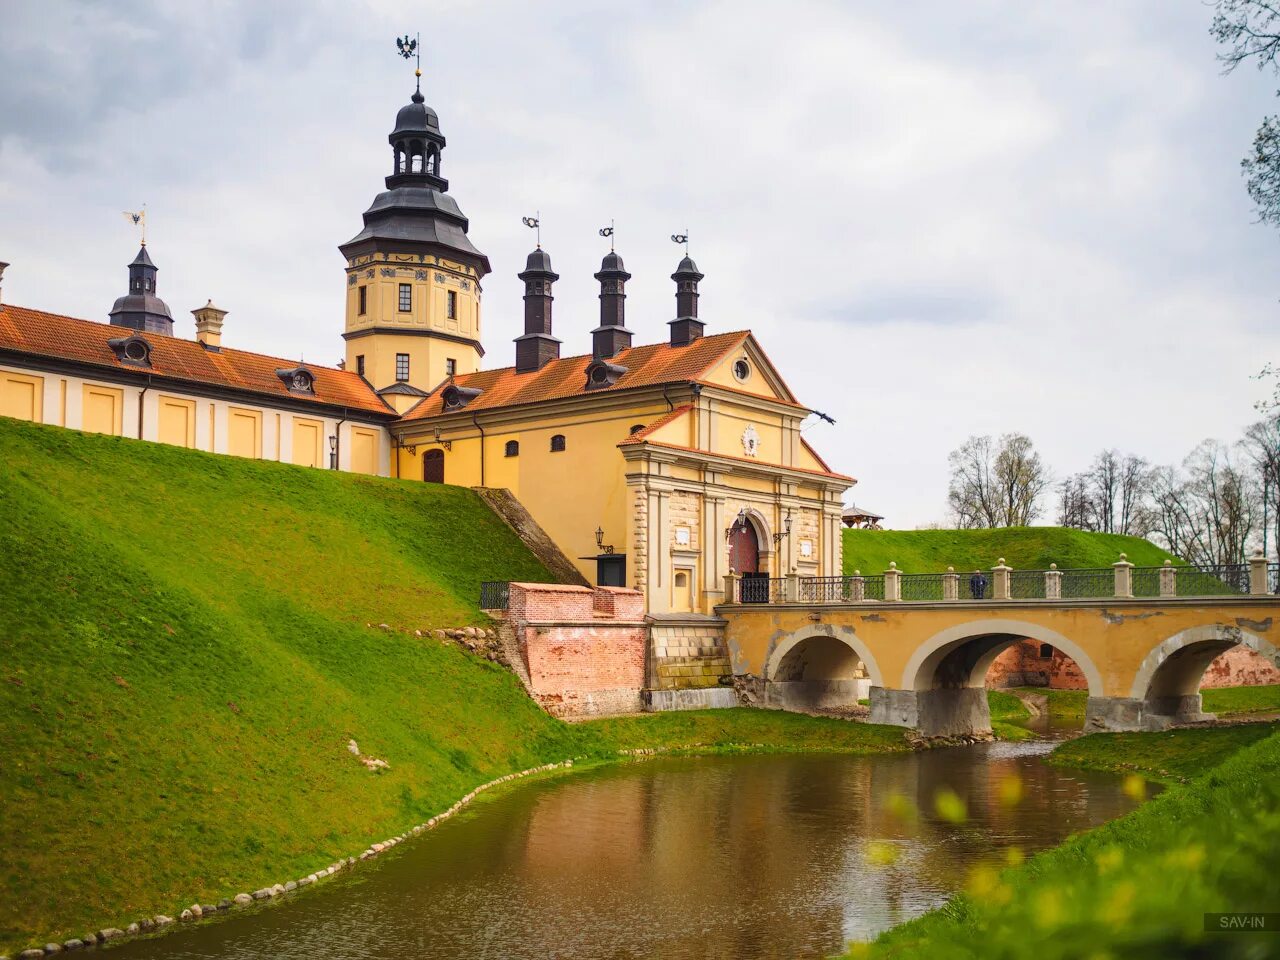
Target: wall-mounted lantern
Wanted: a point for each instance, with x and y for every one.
(605, 548)
(333, 451)
(785, 532)
(447, 444)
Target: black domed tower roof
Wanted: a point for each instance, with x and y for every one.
(416, 211)
(140, 308)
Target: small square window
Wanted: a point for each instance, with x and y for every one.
(406, 297)
(360, 364)
(513, 448)
(402, 367)
(451, 304)
(557, 443)
(450, 366)
(364, 300)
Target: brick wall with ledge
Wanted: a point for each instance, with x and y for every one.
(584, 648)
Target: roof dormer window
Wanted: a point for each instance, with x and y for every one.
(456, 397)
(298, 380)
(602, 373)
(132, 350)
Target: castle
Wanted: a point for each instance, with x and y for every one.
(663, 466)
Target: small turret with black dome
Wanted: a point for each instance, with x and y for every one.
(537, 347)
(612, 336)
(686, 327)
(141, 309)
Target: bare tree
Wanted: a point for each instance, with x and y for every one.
(1074, 506)
(1111, 496)
(1250, 32)
(1262, 445)
(996, 484)
(1208, 512)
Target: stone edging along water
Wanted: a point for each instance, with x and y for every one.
(197, 911)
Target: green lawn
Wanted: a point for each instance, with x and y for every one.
(1023, 548)
(1172, 757)
(1137, 887)
(1063, 704)
(1007, 713)
(188, 650)
(1228, 700)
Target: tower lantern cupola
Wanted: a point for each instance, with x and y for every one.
(537, 347)
(416, 145)
(141, 308)
(686, 327)
(612, 336)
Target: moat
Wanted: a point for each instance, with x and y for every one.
(755, 856)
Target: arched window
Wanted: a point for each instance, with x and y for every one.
(513, 448)
(557, 443)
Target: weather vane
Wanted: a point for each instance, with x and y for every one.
(409, 48)
(139, 220)
(608, 232)
(682, 238)
(535, 223)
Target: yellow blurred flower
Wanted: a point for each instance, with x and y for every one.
(948, 805)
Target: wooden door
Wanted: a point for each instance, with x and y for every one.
(744, 549)
(433, 466)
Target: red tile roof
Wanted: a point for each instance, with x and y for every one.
(83, 341)
(675, 414)
(647, 366)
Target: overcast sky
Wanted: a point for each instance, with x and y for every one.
(939, 219)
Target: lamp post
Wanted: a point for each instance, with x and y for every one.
(333, 451)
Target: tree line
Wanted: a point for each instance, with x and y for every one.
(1215, 507)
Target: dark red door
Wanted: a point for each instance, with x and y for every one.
(433, 466)
(744, 549)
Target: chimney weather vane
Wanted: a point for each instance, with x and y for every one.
(534, 223)
(682, 238)
(139, 220)
(608, 232)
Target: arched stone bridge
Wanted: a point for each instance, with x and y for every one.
(923, 664)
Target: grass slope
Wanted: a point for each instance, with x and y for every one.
(1024, 548)
(187, 653)
(1171, 757)
(1137, 887)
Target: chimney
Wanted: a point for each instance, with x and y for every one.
(209, 326)
(686, 327)
(612, 336)
(2, 266)
(537, 347)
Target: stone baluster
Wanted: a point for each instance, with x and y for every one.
(793, 588)
(1000, 580)
(1168, 580)
(731, 592)
(951, 584)
(1053, 583)
(1124, 576)
(1258, 573)
(857, 587)
(892, 582)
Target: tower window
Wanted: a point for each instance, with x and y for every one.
(513, 448)
(146, 284)
(406, 297)
(360, 361)
(364, 300)
(450, 366)
(557, 443)
(451, 305)
(402, 367)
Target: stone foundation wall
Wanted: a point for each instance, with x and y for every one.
(688, 653)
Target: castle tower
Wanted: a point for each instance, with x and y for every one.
(612, 336)
(686, 327)
(141, 308)
(537, 347)
(413, 276)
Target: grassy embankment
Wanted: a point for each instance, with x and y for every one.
(1140, 885)
(187, 653)
(1023, 548)
(1224, 701)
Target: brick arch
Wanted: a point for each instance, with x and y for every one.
(920, 672)
(1176, 666)
(845, 635)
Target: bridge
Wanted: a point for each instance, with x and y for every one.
(920, 645)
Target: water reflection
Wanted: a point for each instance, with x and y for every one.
(723, 857)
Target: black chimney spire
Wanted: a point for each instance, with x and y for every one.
(686, 327)
(141, 309)
(537, 347)
(612, 336)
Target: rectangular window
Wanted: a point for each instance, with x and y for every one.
(452, 305)
(364, 300)
(450, 366)
(406, 297)
(360, 364)
(402, 366)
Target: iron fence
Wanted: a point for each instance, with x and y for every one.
(1085, 584)
(495, 594)
(1145, 581)
(873, 588)
(1212, 579)
(762, 590)
(826, 589)
(1273, 577)
(978, 585)
(1026, 585)
(922, 586)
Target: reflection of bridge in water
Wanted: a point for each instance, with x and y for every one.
(920, 646)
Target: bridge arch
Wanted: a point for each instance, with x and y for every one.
(960, 656)
(814, 667)
(1167, 682)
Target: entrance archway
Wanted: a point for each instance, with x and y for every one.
(744, 548)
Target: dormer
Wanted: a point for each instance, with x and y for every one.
(133, 350)
(298, 379)
(455, 397)
(601, 373)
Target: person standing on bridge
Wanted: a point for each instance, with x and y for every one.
(978, 585)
